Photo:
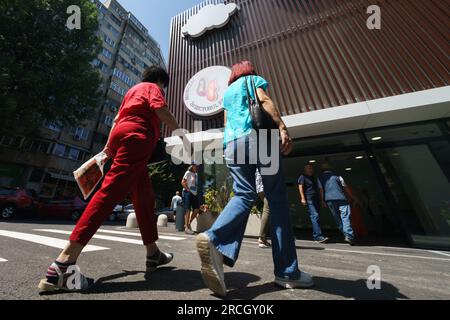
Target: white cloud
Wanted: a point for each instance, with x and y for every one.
(209, 17)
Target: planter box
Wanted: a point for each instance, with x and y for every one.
(253, 226)
(205, 221)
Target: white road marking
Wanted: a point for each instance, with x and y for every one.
(442, 253)
(109, 238)
(255, 245)
(3, 260)
(47, 241)
(124, 233)
(387, 254)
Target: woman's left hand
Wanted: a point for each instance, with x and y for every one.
(286, 142)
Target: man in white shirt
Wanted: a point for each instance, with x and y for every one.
(190, 197)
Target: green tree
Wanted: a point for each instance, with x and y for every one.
(45, 68)
(166, 180)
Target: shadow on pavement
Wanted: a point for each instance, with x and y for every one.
(357, 290)
(165, 279)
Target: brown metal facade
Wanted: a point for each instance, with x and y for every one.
(319, 54)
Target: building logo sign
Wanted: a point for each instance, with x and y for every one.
(203, 95)
(208, 18)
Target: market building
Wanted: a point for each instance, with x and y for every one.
(364, 88)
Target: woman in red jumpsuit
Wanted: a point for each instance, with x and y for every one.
(130, 145)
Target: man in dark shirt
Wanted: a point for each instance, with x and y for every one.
(309, 196)
(334, 192)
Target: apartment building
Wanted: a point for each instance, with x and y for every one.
(45, 163)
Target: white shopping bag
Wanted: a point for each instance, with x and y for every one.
(90, 174)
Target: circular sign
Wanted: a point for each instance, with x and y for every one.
(203, 95)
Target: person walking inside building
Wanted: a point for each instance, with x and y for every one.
(310, 198)
(221, 243)
(264, 228)
(133, 138)
(190, 197)
(334, 194)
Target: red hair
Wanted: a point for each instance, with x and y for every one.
(241, 69)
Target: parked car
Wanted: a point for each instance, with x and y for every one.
(15, 201)
(120, 212)
(168, 212)
(62, 209)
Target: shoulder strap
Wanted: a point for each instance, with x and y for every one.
(249, 97)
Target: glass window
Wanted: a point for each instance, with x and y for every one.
(108, 54)
(43, 146)
(36, 175)
(116, 20)
(74, 153)
(54, 126)
(421, 191)
(59, 149)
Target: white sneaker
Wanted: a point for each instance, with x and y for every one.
(212, 265)
(305, 281)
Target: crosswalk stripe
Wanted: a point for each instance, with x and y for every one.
(47, 241)
(3, 260)
(124, 233)
(97, 236)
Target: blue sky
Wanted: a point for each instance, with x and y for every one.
(155, 15)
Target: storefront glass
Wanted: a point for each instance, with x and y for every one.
(414, 160)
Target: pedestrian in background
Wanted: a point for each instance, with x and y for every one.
(335, 194)
(191, 201)
(177, 201)
(310, 198)
(265, 218)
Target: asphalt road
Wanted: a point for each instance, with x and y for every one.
(117, 263)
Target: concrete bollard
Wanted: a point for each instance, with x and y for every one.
(162, 220)
(132, 221)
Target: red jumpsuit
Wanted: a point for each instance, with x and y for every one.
(132, 142)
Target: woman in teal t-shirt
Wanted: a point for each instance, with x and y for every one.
(221, 243)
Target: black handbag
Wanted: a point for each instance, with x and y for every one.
(159, 153)
(260, 118)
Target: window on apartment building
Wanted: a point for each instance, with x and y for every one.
(109, 41)
(113, 30)
(80, 133)
(62, 150)
(123, 76)
(11, 141)
(116, 20)
(116, 88)
(54, 126)
(109, 121)
(108, 54)
(59, 149)
(36, 175)
(74, 153)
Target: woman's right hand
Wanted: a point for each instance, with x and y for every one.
(108, 152)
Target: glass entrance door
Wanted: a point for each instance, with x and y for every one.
(417, 178)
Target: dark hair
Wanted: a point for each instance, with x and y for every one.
(241, 69)
(156, 74)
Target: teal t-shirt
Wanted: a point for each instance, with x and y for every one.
(239, 120)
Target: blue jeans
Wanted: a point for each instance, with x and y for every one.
(228, 231)
(313, 210)
(340, 209)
